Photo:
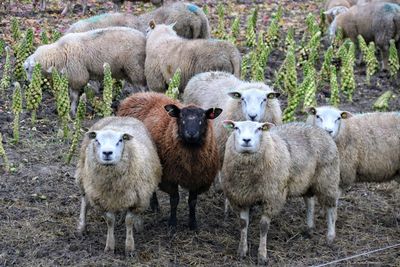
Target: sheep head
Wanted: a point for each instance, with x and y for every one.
(192, 122)
(254, 102)
(328, 118)
(247, 134)
(108, 145)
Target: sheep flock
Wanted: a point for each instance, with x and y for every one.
(277, 123)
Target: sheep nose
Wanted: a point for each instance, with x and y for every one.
(107, 153)
(246, 141)
(253, 117)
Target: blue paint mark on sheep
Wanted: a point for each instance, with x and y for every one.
(193, 8)
(389, 7)
(96, 18)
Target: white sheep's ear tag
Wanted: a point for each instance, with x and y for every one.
(229, 125)
(235, 95)
(273, 95)
(266, 126)
(345, 115)
(126, 137)
(91, 135)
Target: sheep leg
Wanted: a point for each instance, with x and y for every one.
(244, 224)
(385, 57)
(74, 96)
(110, 242)
(331, 215)
(84, 6)
(129, 242)
(174, 201)
(192, 210)
(66, 8)
(262, 249)
(82, 215)
(226, 208)
(155, 207)
(310, 204)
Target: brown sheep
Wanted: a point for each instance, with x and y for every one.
(185, 143)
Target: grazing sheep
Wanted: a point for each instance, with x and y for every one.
(368, 144)
(118, 170)
(185, 142)
(81, 56)
(190, 21)
(377, 22)
(240, 100)
(264, 167)
(166, 52)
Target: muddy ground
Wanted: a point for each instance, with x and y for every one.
(39, 201)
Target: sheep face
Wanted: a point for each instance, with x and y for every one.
(192, 122)
(254, 102)
(247, 134)
(328, 118)
(29, 64)
(108, 146)
(160, 29)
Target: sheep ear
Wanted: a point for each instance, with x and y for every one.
(228, 124)
(152, 24)
(212, 113)
(266, 126)
(345, 115)
(235, 95)
(172, 25)
(311, 111)
(172, 110)
(273, 95)
(126, 137)
(91, 135)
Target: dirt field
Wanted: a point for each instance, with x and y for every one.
(39, 201)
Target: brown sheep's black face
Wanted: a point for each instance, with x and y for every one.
(192, 122)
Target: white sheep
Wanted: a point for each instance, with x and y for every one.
(264, 167)
(368, 144)
(190, 20)
(118, 170)
(81, 56)
(166, 52)
(239, 100)
(378, 22)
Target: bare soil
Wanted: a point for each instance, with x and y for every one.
(39, 201)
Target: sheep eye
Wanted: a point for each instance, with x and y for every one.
(317, 116)
(264, 99)
(242, 99)
(235, 128)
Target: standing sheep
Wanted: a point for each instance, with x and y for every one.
(368, 144)
(118, 170)
(185, 142)
(166, 52)
(190, 21)
(377, 22)
(240, 100)
(81, 56)
(266, 167)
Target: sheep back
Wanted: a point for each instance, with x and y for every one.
(128, 184)
(165, 55)
(192, 168)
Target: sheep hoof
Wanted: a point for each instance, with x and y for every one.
(109, 250)
(308, 233)
(129, 253)
(155, 208)
(241, 254)
(262, 260)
